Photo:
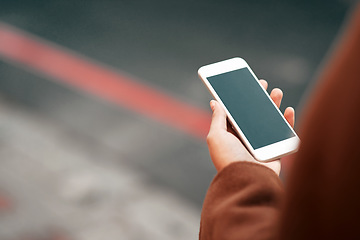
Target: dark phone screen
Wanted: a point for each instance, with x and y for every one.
(251, 109)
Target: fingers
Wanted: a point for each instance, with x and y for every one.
(218, 118)
(263, 83)
(276, 95)
(289, 115)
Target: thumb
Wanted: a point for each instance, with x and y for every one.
(218, 120)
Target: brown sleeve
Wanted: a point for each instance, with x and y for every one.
(323, 194)
(242, 202)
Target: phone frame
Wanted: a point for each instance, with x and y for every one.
(264, 154)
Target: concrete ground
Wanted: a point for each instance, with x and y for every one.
(60, 184)
(75, 166)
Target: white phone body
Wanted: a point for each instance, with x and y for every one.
(262, 127)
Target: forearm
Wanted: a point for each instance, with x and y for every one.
(242, 202)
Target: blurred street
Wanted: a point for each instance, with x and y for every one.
(57, 183)
(79, 163)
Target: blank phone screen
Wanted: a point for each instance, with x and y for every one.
(251, 109)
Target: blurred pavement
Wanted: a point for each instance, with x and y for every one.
(57, 184)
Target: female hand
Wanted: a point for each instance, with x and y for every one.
(224, 145)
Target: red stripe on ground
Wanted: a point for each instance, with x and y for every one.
(69, 68)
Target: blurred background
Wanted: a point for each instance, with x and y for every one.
(103, 118)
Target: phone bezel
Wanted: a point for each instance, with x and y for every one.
(267, 153)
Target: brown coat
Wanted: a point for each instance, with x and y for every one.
(322, 200)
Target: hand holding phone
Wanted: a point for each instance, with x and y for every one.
(225, 148)
(254, 116)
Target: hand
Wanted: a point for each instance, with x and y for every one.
(225, 147)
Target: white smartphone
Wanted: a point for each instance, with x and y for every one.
(250, 110)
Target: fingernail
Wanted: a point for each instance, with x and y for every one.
(212, 105)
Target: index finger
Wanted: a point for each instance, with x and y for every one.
(263, 83)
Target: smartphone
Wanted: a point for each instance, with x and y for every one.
(253, 115)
